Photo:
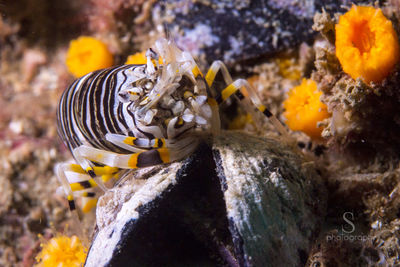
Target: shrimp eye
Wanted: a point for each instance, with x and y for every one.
(123, 96)
(149, 85)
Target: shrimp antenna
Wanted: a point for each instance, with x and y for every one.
(167, 31)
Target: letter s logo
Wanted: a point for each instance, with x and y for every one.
(349, 222)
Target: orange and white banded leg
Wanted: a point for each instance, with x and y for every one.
(135, 144)
(246, 89)
(174, 151)
(60, 170)
(240, 88)
(89, 199)
(84, 186)
(76, 182)
(88, 167)
(71, 175)
(104, 172)
(219, 66)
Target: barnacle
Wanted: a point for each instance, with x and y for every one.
(87, 54)
(62, 251)
(366, 44)
(304, 109)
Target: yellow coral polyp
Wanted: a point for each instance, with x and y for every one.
(87, 54)
(139, 58)
(366, 44)
(239, 122)
(287, 69)
(304, 109)
(62, 251)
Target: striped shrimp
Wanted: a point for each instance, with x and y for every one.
(134, 116)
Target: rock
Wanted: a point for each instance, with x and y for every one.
(234, 31)
(6, 193)
(246, 202)
(273, 207)
(148, 218)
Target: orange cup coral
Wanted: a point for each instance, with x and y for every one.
(87, 54)
(139, 58)
(62, 251)
(366, 44)
(304, 109)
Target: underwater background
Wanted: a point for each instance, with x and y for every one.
(327, 69)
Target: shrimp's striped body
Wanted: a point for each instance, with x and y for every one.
(133, 116)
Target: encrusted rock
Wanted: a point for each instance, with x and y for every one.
(246, 202)
(272, 204)
(239, 30)
(365, 121)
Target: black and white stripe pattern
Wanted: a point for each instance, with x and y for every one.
(89, 109)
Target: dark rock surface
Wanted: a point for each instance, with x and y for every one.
(234, 31)
(161, 216)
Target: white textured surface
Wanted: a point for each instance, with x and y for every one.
(266, 197)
